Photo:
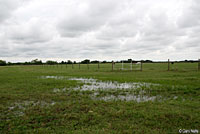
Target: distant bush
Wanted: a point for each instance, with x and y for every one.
(86, 61)
(50, 62)
(69, 62)
(95, 61)
(36, 62)
(2, 63)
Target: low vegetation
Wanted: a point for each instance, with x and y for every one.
(45, 99)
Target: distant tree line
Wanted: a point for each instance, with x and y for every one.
(2, 63)
(86, 61)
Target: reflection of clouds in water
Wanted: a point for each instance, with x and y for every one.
(18, 108)
(137, 98)
(53, 77)
(139, 94)
(93, 84)
(127, 97)
(56, 90)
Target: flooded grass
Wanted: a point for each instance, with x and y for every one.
(114, 91)
(94, 84)
(18, 108)
(57, 90)
(124, 88)
(53, 77)
(130, 97)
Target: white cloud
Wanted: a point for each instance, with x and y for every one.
(96, 29)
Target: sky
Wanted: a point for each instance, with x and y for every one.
(99, 30)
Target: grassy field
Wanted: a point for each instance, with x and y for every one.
(45, 99)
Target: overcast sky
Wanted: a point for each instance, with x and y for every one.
(99, 29)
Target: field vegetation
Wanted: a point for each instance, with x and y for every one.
(66, 99)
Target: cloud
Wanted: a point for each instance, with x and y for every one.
(6, 7)
(86, 16)
(190, 16)
(9, 6)
(96, 29)
(30, 32)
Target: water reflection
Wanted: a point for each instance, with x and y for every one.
(127, 91)
(94, 84)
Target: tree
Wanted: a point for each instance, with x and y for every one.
(129, 60)
(63, 62)
(2, 63)
(86, 61)
(69, 62)
(36, 61)
(9, 63)
(50, 62)
(95, 61)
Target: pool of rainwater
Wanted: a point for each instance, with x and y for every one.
(18, 109)
(127, 91)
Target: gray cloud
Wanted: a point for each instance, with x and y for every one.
(96, 29)
(9, 6)
(86, 16)
(6, 7)
(33, 31)
(190, 16)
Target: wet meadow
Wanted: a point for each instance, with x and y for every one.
(90, 99)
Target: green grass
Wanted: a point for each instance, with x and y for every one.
(29, 105)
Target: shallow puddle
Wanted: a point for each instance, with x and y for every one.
(53, 77)
(18, 108)
(57, 90)
(126, 97)
(130, 97)
(127, 91)
(94, 84)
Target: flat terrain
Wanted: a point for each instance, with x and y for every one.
(59, 99)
